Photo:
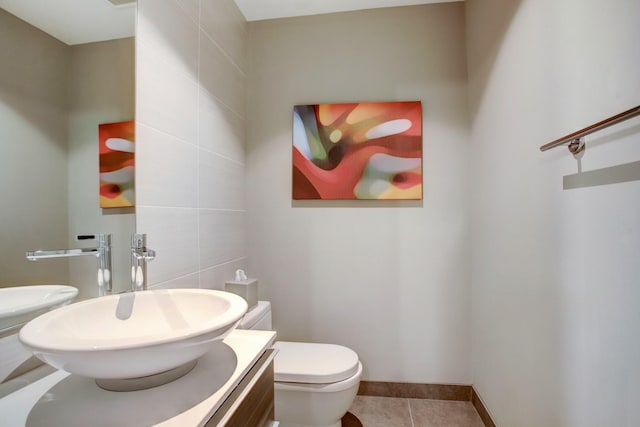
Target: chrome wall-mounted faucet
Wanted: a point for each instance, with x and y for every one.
(102, 252)
(140, 254)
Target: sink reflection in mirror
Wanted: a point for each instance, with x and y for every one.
(21, 304)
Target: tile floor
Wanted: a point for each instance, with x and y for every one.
(373, 411)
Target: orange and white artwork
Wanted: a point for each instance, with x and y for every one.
(366, 150)
(117, 164)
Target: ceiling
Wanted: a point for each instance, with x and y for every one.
(76, 21)
(256, 10)
(85, 21)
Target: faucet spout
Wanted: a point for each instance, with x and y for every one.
(61, 253)
(102, 252)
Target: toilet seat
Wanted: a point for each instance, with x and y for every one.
(312, 363)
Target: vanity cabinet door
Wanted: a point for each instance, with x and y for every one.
(251, 403)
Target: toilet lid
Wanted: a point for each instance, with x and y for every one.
(298, 362)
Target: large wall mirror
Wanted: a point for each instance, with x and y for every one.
(65, 67)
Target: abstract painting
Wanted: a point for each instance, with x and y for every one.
(366, 150)
(116, 151)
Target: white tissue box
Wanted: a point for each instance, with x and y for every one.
(247, 289)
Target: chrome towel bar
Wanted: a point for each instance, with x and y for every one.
(625, 115)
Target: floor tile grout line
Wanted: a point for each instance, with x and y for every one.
(454, 409)
(410, 414)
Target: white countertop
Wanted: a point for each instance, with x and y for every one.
(62, 399)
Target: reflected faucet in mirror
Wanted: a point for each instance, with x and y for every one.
(102, 252)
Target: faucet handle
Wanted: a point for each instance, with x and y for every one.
(85, 236)
(138, 241)
(139, 247)
(147, 254)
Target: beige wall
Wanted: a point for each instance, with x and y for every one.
(554, 273)
(33, 161)
(190, 140)
(389, 280)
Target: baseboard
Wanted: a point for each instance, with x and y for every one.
(415, 391)
(481, 409)
(459, 392)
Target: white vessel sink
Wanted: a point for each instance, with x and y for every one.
(133, 335)
(22, 303)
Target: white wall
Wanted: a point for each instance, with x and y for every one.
(190, 113)
(554, 273)
(388, 279)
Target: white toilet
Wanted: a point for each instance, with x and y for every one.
(315, 384)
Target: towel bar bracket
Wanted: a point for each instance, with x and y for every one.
(577, 147)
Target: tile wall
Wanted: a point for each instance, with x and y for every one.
(190, 140)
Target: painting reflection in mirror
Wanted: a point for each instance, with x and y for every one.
(117, 164)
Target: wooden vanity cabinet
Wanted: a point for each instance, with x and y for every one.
(251, 404)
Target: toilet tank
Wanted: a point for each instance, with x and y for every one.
(258, 318)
